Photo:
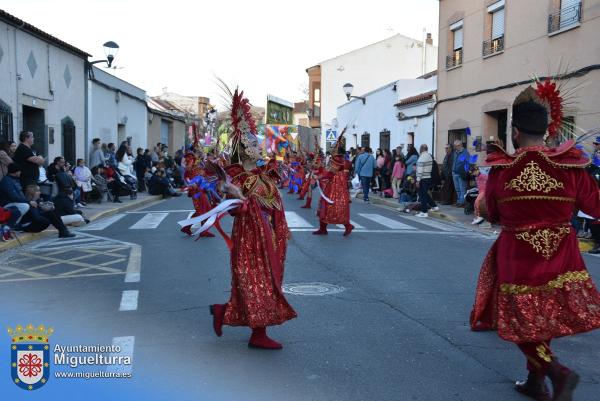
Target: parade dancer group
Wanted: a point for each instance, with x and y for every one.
(533, 285)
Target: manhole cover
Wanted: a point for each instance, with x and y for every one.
(312, 289)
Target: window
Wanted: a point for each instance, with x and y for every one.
(5, 122)
(455, 59)
(365, 140)
(495, 18)
(316, 109)
(457, 134)
(568, 16)
(384, 139)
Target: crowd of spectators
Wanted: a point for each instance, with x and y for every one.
(33, 197)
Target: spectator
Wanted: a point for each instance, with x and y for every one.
(97, 155)
(64, 205)
(408, 194)
(125, 167)
(83, 179)
(12, 146)
(400, 151)
(42, 214)
(28, 159)
(11, 192)
(411, 160)
(481, 179)
(105, 184)
(397, 175)
(44, 184)
(141, 164)
(110, 157)
(448, 182)
(57, 166)
(5, 159)
(155, 156)
(365, 167)
(424, 168)
(459, 172)
(159, 185)
(386, 171)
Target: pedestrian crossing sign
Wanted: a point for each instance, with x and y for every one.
(330, 135)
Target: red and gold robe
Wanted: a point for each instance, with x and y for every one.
(259, 235)
(334, 186)
(533, 285)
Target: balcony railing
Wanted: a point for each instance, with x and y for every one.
(493, 46)
(564, 18)
(455, 59)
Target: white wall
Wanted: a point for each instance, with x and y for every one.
(379, 113)
(110, 107)
(369, 68)
(18, 87)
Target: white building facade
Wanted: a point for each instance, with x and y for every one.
(377, 122)
(42, 89)
(117, 110)
(371, 67)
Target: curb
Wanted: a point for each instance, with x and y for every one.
(30, 237)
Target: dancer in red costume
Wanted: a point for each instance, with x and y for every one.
(307, 176)
(200, 198)
(334, 207)
(259, 238)
(533, 284)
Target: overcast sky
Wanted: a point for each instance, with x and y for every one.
(263, 46)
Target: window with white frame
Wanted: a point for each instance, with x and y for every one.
(455, 59)
(495, 42)
(566, 17)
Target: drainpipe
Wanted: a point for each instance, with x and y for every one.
(17, 78)
(86, 93)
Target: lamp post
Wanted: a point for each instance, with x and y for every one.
(110, 50)
(348, 88)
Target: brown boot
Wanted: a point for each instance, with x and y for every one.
(307, 204)
(534, 387)
(349, 227)
(564, 381)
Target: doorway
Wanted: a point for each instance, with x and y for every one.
(365, 140)
(68, 140)
(384, 139)
(34, 121)
(121, 133)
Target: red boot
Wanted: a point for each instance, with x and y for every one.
(218, 313)
(259, 339)
(187, 230)
(563, 380)
(322, 229)
(307, 204)
(349, 228)
(207, 234)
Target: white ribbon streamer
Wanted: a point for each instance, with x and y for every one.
(323, 195)
(221, 208)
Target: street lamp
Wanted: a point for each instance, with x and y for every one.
(348, 88)
(110, 50)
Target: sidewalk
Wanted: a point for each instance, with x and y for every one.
(457, 215)
(92, 211)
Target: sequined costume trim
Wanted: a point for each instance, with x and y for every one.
(537, 197)
(558, 282)
(545, 241)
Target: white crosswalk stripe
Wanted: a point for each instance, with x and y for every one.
(354, 223)
(386, 221)
(295, 221)
(431, 223)
(151, 220)
(103, 223)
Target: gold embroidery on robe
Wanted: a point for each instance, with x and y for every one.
(533, 178)
(544, 353)
(264, 190)
(545, 241)
(558, 283)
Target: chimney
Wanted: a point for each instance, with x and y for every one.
(429, 39)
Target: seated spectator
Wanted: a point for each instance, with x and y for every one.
(83, 179)
(11, 192)
(45, 184)
(65, 207)
(58, 166)
(159, 185)
(408, 194)
(6, 217)
(5, 158)
(42, 214)
(106, 185)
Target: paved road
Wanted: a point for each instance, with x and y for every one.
(390, 321)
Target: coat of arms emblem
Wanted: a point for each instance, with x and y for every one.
(30, 356)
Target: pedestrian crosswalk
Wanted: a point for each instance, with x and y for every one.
(385, 222)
